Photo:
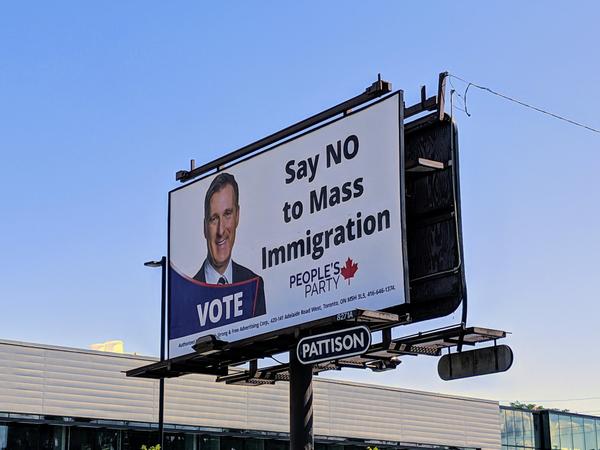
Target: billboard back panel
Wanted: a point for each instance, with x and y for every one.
(306, 230)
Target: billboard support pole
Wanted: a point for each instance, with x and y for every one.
(301, 411)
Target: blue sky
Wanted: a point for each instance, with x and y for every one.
(101, 103)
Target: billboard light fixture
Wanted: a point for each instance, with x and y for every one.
(208, 345)
(384, 364)
(377, 317)
(349, 363)
(258, 382)
(251, 377)
(249, 381)
(153, 264)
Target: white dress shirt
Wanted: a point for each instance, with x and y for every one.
(212, 276)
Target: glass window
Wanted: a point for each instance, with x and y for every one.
(23, 437)
(528, 440)
(519, 428)
(81, 438)
(94, 439)
(578, 438)
(133, 440)
(589, 430)
(32, 436)
(53, 438)
(107, 440)
(554, 432)
(232, 443)
(503, 426)
(566, 432)
(209, 442)
(277, 445)
(254, 444)
(3, 437)
(180, 441)
(510, 427)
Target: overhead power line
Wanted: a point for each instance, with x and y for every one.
(519, 102)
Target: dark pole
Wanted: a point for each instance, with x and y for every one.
(163, 306)
(161, 386)
(301, 412)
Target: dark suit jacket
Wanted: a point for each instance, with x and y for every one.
(241, 273)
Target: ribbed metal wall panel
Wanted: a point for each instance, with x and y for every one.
(198, 400)
(68, 382)
(46, 380)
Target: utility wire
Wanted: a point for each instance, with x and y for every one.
(276, 360)
(453, 106)
(506, 97)
(454, 90)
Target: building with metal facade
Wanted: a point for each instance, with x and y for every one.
(63, 398)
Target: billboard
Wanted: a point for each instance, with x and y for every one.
(308, 229)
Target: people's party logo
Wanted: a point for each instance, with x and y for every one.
(349, 269)
(324, 278)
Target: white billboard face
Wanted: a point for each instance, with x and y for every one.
(307, 230)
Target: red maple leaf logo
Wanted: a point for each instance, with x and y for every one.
(349, 269)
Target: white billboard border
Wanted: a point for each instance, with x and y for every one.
(402, 193)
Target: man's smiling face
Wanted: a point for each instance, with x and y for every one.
(220, 226)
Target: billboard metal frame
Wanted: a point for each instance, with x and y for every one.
(437, 286)
(209, 347)
(213, 356)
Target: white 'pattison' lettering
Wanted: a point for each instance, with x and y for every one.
(333, 345)
(359, 340)
(305, 349)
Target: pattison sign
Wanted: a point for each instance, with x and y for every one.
(334, 345)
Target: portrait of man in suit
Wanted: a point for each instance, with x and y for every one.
(221, 219)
